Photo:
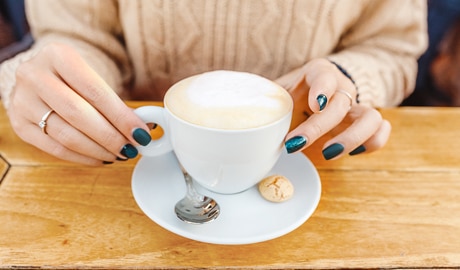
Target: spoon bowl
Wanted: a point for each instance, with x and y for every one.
(195, 208)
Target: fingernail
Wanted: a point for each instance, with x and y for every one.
(332, 151)
(107, 162)
(322, 101)
(358, 150)
(141, 136)
(129, 151)
(295, 143)
(121, 159)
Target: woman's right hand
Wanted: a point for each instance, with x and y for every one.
(89, 124)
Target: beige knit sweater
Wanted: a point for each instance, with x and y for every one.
(142, 47)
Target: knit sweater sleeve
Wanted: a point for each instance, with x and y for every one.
(91, 27)
(380, 51)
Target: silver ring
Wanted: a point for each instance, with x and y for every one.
(42, 124)
(346, 94)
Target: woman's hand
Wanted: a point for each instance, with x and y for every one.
(88, 123)
(322, 91)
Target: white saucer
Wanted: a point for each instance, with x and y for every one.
(245, 218)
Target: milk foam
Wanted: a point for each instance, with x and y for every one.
(228, 100)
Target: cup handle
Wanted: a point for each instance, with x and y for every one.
(155, 114)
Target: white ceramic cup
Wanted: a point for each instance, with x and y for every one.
(223, 160)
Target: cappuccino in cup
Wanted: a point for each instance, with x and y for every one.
(228, 100)
(226, 128)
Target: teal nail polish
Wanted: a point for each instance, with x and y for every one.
(295, 143)
(332, 151)
(322, 101)
(141, 136)
(129, 151)
(358, 150)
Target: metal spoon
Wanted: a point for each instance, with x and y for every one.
(195, 208)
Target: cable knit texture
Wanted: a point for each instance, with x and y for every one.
(142, 47)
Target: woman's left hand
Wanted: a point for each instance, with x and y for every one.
(322, 91)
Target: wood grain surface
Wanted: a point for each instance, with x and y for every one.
(395, 208)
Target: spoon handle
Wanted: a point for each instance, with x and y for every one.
(191, 192)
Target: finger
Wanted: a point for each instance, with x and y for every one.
(325, 79)
(61, 131)
(366, 123)
(77, 112)
(89, 85)
(377, 141)
(318, 124)
(74, 140)
(47, 144)
(322, 86)
(29, 79)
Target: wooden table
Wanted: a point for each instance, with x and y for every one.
(396, 208)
